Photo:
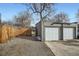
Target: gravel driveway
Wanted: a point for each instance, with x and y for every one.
(24, 46)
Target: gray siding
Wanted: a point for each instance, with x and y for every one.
(38, 29)
(49, 23)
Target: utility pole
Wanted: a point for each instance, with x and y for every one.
(0, 18)
(0, 29)
(61, 31)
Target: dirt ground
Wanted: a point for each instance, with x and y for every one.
(24, 46)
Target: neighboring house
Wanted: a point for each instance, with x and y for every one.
(49, 31)
(33, 31)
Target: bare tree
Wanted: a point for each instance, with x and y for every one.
(43, 10)
(61, 17)
(24, 19)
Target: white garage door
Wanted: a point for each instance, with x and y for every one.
(68, 33)
(51, 34)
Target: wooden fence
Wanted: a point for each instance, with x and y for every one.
(8, 31)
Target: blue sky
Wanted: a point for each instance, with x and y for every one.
(68, 8)
(8, 11)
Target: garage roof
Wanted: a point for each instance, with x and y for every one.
(64, 23)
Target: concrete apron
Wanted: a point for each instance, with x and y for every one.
(53, 49)
(62, 50)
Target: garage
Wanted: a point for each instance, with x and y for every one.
(51, 34)
(68, 33)
(54, 31)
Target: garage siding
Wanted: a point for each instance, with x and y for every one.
(54, 33)
(51, 34)
(68, 33)
(49, 31)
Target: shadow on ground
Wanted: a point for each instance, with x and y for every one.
(71, 42)
(25, 46)
(32, 38)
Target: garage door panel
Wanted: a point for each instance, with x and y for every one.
(68, 33)
(51, 34)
